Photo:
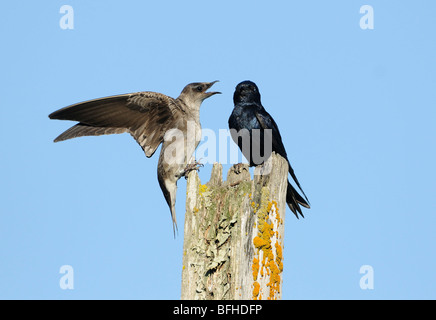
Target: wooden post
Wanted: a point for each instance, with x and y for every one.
(233, 237)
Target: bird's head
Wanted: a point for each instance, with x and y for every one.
(246, 91)
(195, 93)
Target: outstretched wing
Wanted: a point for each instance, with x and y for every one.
(145, 115)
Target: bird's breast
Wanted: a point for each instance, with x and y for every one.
(244, 118)
(180, 143)
(193, 135)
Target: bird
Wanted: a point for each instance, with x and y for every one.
(248, 115)
(152, 119)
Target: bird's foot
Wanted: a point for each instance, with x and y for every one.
(237, 168)
(191, 167)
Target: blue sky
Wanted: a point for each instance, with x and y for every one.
(356, 109)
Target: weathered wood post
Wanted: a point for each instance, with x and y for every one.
(233, 237)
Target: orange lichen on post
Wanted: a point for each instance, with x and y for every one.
(269, 260)
(260, 243)
(202, 188)
(255, 268)
(256, 290)
(274, 280)
(278, 217)
(279, 256)
(271, 204)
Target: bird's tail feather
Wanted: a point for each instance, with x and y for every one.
(294, 200)
(175, 229)
(291, 172)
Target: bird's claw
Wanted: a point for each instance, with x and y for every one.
(191, 167)
(237, 168)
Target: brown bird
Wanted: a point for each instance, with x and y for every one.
(151, 118)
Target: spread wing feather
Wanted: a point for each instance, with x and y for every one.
(81, 130)
(145, 115)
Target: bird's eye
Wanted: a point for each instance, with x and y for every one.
(199, 88)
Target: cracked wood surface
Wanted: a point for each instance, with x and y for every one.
(233, 235)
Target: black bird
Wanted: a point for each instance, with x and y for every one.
(249, 115)
(151, 118)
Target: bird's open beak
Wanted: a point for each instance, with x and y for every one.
(208, 86)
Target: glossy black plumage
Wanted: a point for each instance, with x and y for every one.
(249, 114)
